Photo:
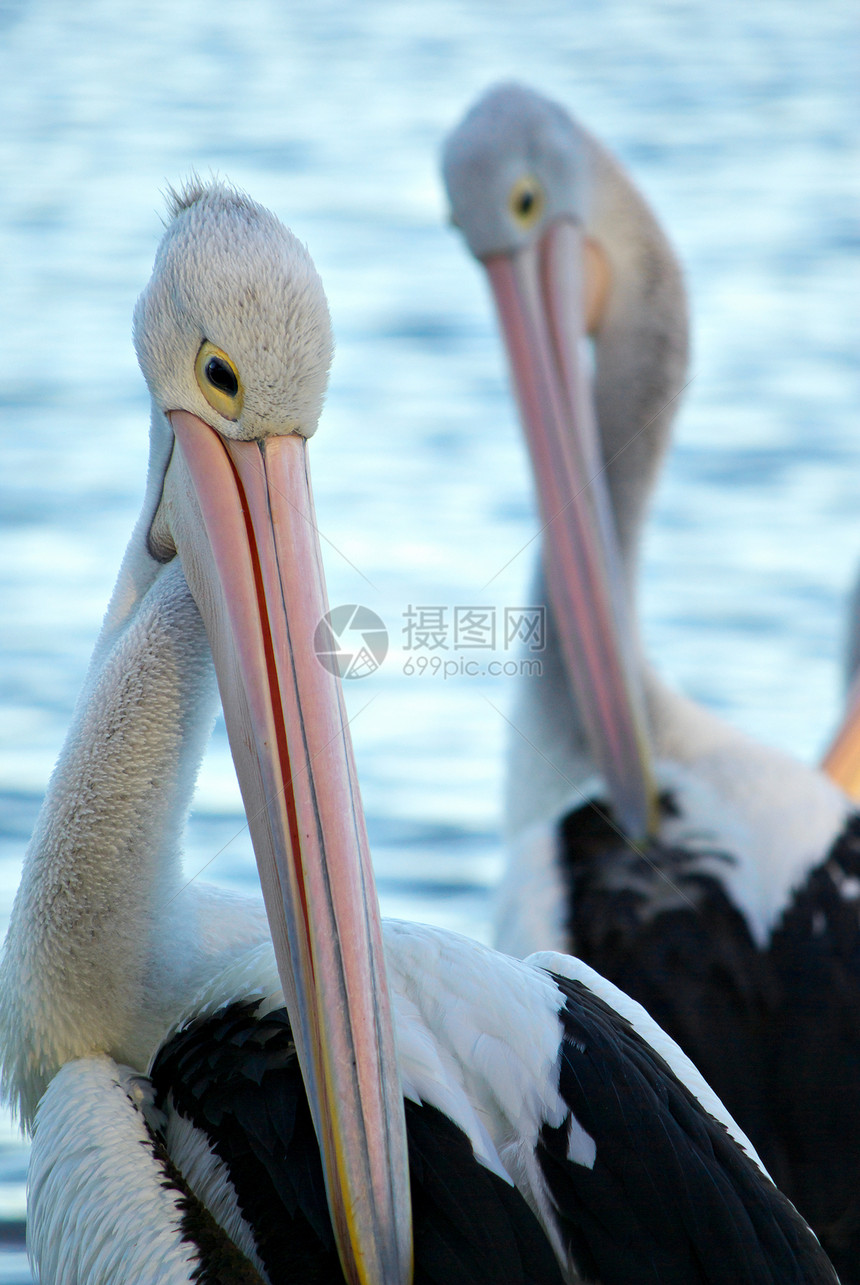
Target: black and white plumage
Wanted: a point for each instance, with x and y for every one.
(697, 868)
(537, 1071)
(146, 1038)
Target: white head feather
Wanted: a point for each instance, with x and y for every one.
(509, 133)
(228, 271)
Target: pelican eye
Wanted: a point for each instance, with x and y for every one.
(219, 381)
(222, 376)
(526, 201)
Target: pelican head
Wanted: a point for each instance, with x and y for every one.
(234, 325)
(514, 165)
(233, 336)
(523, 181)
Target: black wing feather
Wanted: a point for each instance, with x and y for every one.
(671, 1198)
(815, 1049)
(236, 1077)
(651, 920)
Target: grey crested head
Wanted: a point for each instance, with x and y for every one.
(234, 324)
(514, 163)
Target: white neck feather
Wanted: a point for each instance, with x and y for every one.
(92, 924)
(640, 349)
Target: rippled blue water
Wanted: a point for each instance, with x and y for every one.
(738, 122)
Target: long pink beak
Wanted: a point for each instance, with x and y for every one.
(242, 518)
(539, 293)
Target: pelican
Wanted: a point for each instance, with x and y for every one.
(206, 1099)
(713, 878)
(105, 947)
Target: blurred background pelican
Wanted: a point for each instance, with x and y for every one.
(738, 127)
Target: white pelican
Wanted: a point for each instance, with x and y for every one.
(714, 879)
(555, 1132)
(105, 948)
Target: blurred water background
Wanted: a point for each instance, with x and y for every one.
(740, 124)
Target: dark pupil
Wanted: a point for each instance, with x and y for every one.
(221, 376)
(527, 200)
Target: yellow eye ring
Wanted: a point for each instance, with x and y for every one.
(526, 201)
(219, 381)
